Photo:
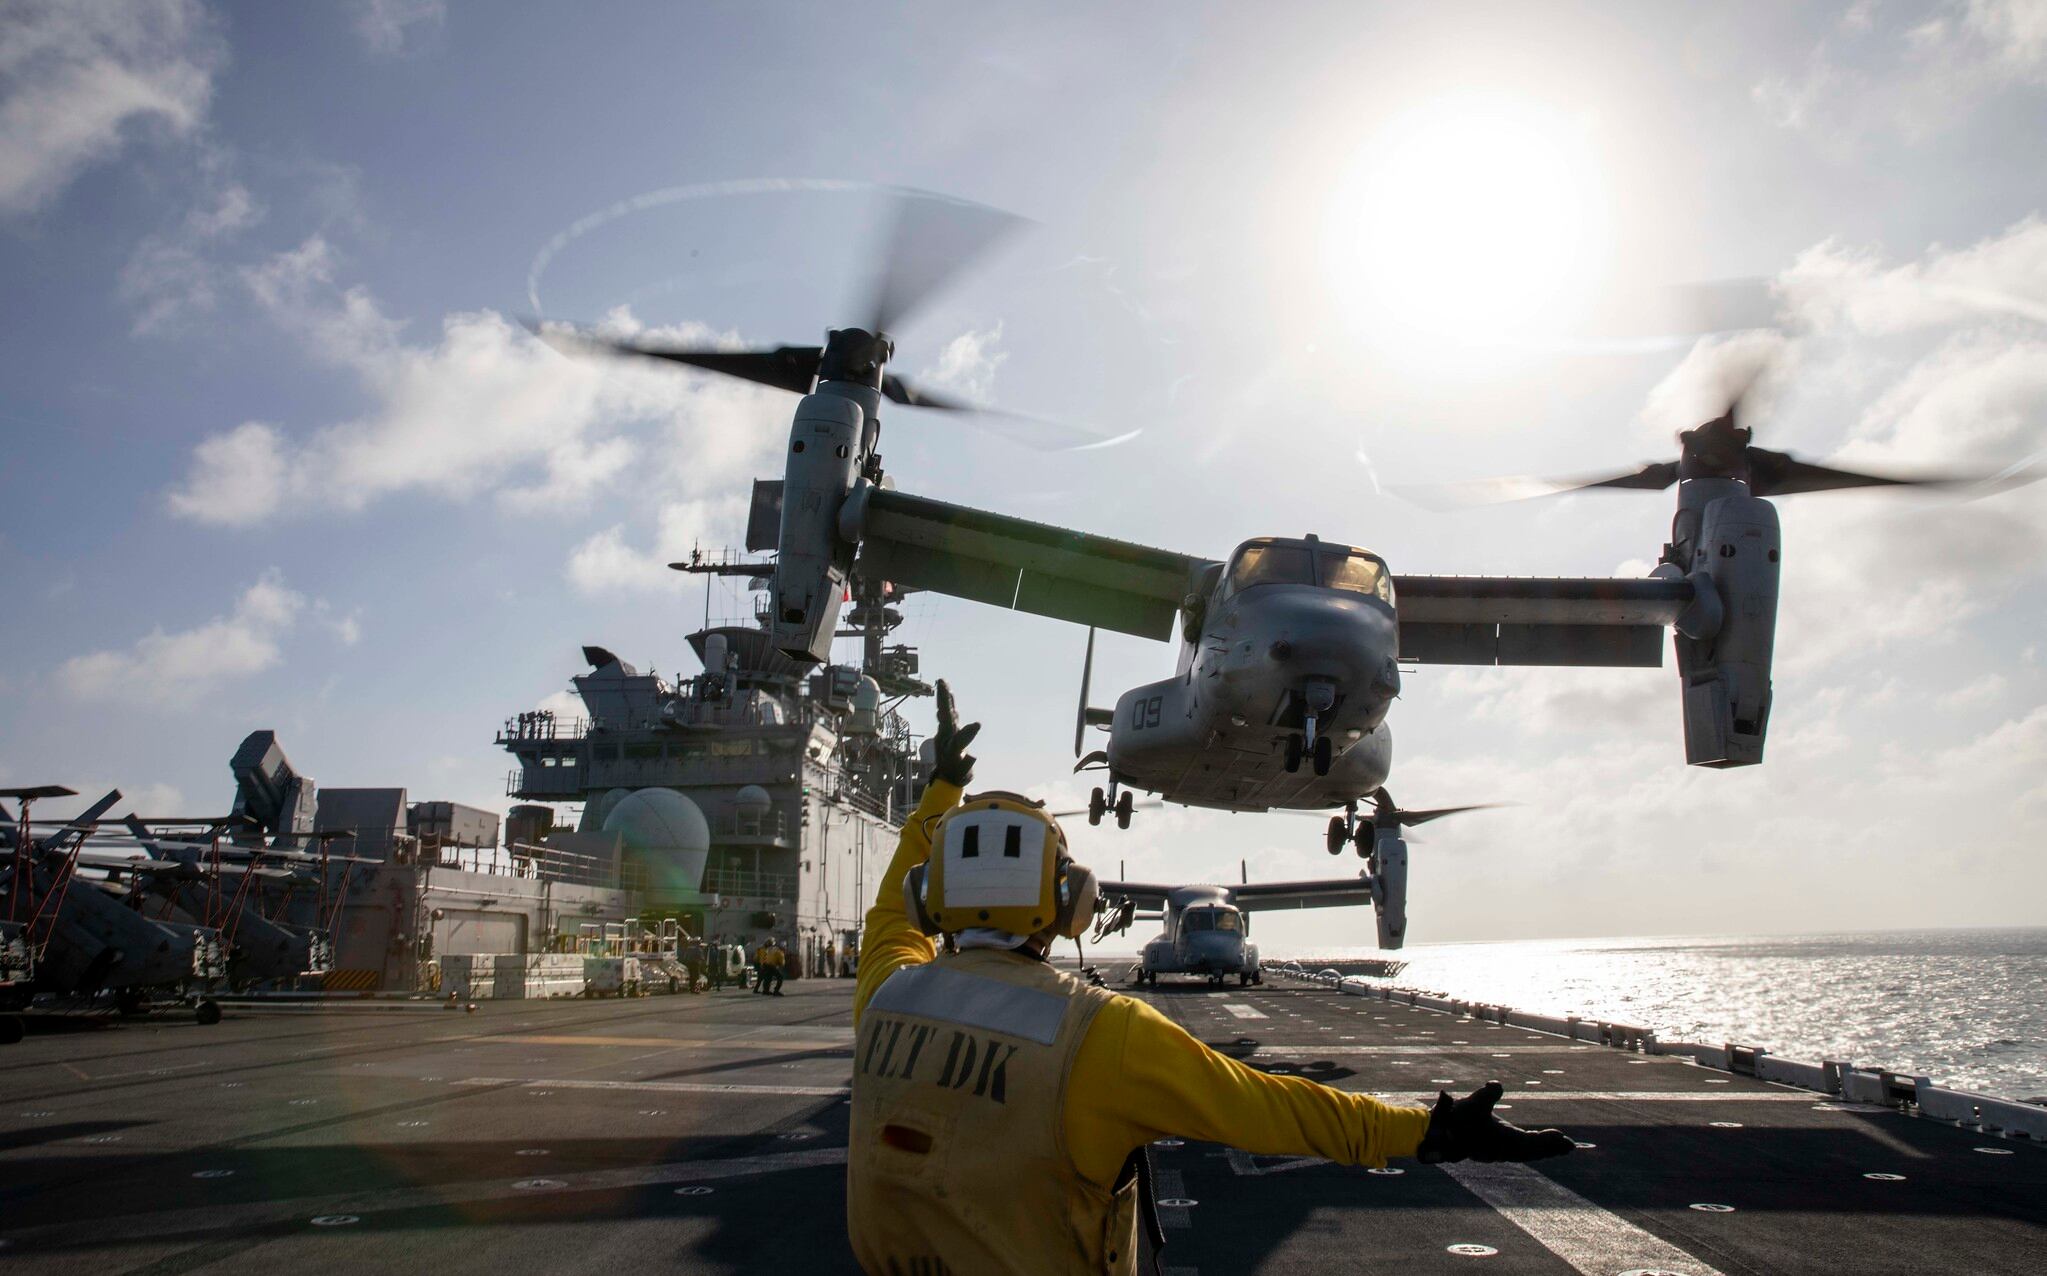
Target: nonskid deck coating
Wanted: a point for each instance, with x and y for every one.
(708, 1134)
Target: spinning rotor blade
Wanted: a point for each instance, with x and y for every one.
(1412, 818)
(1149, 805)
(791, 368)
(929, 240)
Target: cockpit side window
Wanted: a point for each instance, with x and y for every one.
(1226, 921)
(1271, 565)
(1356, 573)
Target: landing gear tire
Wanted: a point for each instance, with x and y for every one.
(1325, 755)
(1097, 806)
(1215, 981)
(1243, 980)
(1293, 754)
(1338, 835)
(1123, 808)
(207, 1012)
(10, 1030)
(129, 1005)
(1258, 977)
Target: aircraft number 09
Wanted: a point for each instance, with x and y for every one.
(1145, 713)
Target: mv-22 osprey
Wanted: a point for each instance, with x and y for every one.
(1290, 648)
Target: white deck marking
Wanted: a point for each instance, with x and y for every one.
(1569, 1226)
(679, 1087)
(1243, 1011)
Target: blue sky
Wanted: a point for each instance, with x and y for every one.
(278, 454)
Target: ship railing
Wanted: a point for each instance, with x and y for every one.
(749, 885)
(737, 824)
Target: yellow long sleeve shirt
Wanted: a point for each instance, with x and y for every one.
(1138, 1075)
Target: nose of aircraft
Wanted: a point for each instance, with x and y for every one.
(1326, 635)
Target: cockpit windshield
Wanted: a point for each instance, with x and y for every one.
(1271, 565)
(1212, 919)
(1354, 572)
(1331, 566)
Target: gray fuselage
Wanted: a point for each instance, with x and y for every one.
(1266, 653)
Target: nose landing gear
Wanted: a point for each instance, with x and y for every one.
(1100, 804)
(1318, 699)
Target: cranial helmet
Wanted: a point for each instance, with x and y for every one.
(998, 860)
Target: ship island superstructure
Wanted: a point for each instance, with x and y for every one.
(757, 797)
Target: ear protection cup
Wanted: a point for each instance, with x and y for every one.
(1078, 893)
(916, 887)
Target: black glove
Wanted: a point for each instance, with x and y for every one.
(1466, 1128)
(952, 762)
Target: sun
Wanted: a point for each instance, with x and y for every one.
(1466, 221)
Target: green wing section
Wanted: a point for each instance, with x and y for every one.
(1033, 567)
(1535, 620)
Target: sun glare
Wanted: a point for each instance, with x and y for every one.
(1469, 221)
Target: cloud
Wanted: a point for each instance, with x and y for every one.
(389, 26)
(79, 73)
(176, 670)
(1832, 285)
(1914, 76)
(968, 364)
(171, 275)
(481, 409)
(606, 562)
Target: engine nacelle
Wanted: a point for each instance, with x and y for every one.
(814, 564)
(1726, 672)
(1389, 887)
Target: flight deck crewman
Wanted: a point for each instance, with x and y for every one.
(1001, 1108)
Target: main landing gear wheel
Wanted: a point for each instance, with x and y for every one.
(1338, 835)
(1325, 755)
(1097, 807)
(1123, 806)
(1293, 754)
(10, 1030)
(207, 1012)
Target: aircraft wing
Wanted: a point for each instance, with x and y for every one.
(1033, 567)
(1534, 620)
(1342, 892)
(1145, 895)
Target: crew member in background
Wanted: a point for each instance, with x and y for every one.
(1002, 1109)
(831, 960)
(774, 959)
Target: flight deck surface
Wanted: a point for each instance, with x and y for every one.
(707, 1134)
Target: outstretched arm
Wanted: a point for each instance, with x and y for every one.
(888, 941)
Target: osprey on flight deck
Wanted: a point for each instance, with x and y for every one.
(1290, 649)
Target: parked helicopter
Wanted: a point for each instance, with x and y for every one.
(1290, 648)
(82, 940)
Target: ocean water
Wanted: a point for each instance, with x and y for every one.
(1965, 1007)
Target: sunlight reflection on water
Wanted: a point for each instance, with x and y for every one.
(1965, 1007)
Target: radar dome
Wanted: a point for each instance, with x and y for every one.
(753, 798)
(664, 841)
(600, 808)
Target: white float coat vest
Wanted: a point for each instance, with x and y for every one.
(958, 1162)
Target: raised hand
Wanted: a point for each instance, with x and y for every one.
(952, 762)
